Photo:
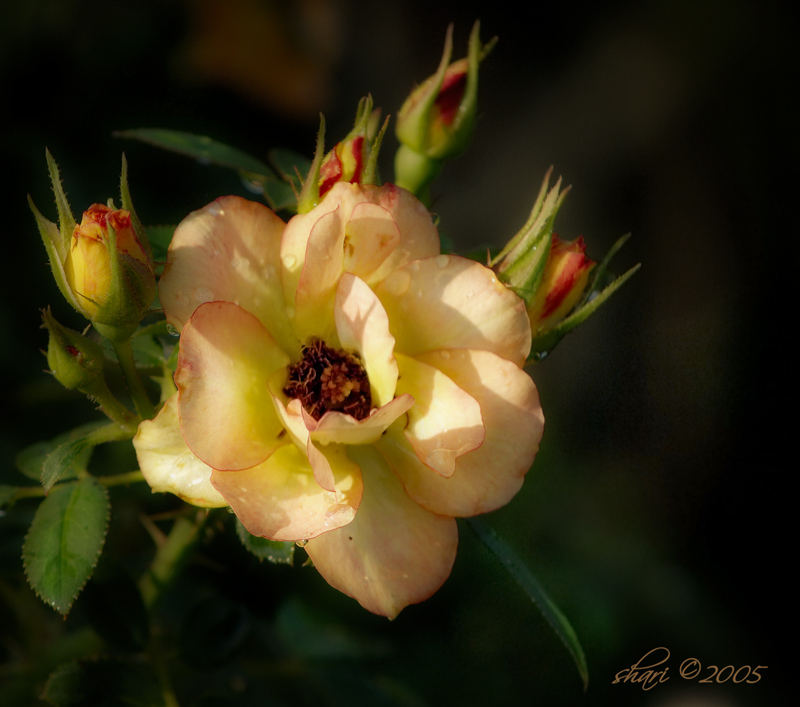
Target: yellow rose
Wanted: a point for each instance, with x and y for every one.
(344, 384)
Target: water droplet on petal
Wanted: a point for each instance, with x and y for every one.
(339, 515)
(203, 294)
(182, 300)
(442, 260)
(216, 210)
(172, 331)
(301, 543)
(445, 354)
(289, 261)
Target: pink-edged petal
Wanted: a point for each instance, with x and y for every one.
(371, 236)
(394, 553)
(226, 413)
(228, 251)
(316, 288)
(445, 422)
(295, 422)
(363, 327)
(490, 476)
(345, 429)
(167, 463)
(418, 237)
(280, 499)
(451, 302)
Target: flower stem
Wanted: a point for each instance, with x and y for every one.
(141, 400)
(171, 555)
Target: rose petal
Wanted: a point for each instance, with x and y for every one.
(363, 327)
(445, 421)
(488, 477)
(371, 235)
(229, 251)
(280, 499)
(225, 407)
(167, 463)
(451, 302)
(394, 553)
(322, 268)
(345, 429)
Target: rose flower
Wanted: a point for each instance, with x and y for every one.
(343, 384)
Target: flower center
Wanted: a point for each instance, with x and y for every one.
(329, 379)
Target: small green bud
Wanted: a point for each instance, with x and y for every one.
(75, 360)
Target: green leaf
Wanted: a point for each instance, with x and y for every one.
(200, 147)
(68, 458)
(102, 682)
(30, 461)
(160, 237)
(65, 540)
(526, 579)
(272, 550)
(290, 165)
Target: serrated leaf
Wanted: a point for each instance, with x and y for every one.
(102, 682)
(281, 553)
(69, 457)
(523, 575)
(64, 542)
(201, 147)
(30, 461)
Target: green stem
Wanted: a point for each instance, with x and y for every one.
(141, 400)
(130, 477)
(113, 408)
(170, 557)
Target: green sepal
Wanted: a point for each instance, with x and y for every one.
(309, 194)
(64, 542)
(275, 551)
(521, 263)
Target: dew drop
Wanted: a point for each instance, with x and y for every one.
(442, 260)
(339, 515)
(216, 210)
(397, 283)
(240, 263)
(289, 261)
(172, 331)
(445, 354)
(301, 543)
(182, 300)
(203, 294)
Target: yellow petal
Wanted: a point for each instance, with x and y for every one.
(363, 327)
(280, 499)
(228, 251)
(167, 463)
(488, 477)
(449, 302)
(445, 421)
(394, 553)
(225, 407)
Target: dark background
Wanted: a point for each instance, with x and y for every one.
(653, 512)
